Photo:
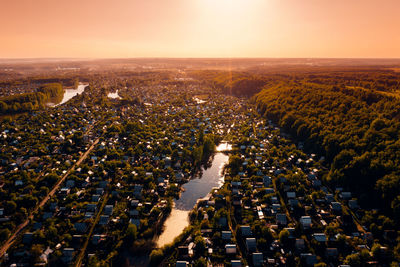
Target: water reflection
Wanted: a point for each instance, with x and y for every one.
(70, 93)
(197, 188)
(114, 95)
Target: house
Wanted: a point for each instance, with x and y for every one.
(223, 221)
(96, 239)
(236, 263)
(64, 191)
(27, 238)
(291, 194)
(251, 244)
(309, 258)
(331, 253)
(300, 244)
(336, 207)
(353, 204)
(133, 213)
(53, 206)
(99, 191)
(45, 255)
(95, 198)
(305, 222)
(89, 215)
(179, 176)
(91, 207)
(276, 207)
(226, 235)
(108, 209)
(70, 183)
(345, 195)
(236, 184)
(293, 202)
(245, 230)
(267, 181)
(230, 249)
(137, 190)
(281, 219)
(269, 190)
(329, 198)
(135, 203)
(37, 226)
(258, 259)
(291, 231)
(320, 237)
(81, 227)
(167, 161)
(182, 264)
(68, 254)
(316, 183)
(274, 200)
(104, 219)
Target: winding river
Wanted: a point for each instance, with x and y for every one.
(70, 93)
(197, 188)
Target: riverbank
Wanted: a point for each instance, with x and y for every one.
(68, 94)
(197, 188)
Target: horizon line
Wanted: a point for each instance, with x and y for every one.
(145, 57)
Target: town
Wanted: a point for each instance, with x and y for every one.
(92, 181)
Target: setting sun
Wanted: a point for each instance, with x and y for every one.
(200, 28)
(194, 133)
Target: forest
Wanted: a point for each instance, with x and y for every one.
(355, 129)
(31, 101)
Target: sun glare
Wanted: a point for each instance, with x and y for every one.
(230, 8)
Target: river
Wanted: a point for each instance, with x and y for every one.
(114, 95)
(70, 93)
(197, 188)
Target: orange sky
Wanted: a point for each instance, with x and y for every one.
(199, 28)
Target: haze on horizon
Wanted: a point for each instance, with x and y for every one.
(200, 28)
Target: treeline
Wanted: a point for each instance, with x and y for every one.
(250, 82)
(380, 79)
(31, 101)
(37, 81)
(357, 130)
(68, 82)
(238, 83)
(204, 148)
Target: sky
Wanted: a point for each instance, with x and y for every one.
(200, 28)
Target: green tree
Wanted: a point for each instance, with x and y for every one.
(4, 234)
(3, 107)
(200, 245)
(131, 233)
(156, 256)
(284, 236)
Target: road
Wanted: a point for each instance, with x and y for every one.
(95, 222)
(21, 227)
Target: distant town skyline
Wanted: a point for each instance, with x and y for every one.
(200, 28)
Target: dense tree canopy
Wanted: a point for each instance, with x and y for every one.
(354, 128)
(31, 101)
